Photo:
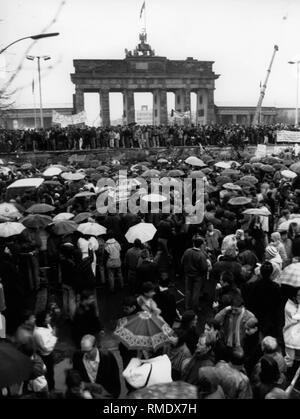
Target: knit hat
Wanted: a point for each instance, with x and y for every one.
(271, 251)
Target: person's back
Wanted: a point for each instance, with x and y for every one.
(194, 263)
(234, 383)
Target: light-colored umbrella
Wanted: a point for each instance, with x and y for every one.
(226, 164)
(91, 229)
(2, 162)
(8, 210)
(288, 174)
(195, 161)
(151, 173)
(26, 166)
(73, 176)
(290, 275)
(231, 172)
(154, 197)
(267, 168)
(9, 229)
(162, 161)
(139, 167)
(84, 194)
(143, 231)
(175, 173)
(250, 179)
(232, 187)
(239, 200)
(264, 212)
(5, 171)
(286, 224)
(52, 171)
(295, 168)
(63, 216)
(197, 174)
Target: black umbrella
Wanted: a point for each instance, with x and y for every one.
(14, 366)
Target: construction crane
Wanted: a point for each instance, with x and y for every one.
(256, 118)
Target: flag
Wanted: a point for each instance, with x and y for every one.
(142, 9)
(176, 114)
(32, 86)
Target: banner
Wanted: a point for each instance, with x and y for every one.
(65, 120)
(176, 114)
(288, 136)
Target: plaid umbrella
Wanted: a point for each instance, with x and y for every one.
(143, 331)
(14, 366)
(36, 221)
(169, 391)
(291, 275)
(40, 209)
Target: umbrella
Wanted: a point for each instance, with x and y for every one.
(9, 229)
(96, 176)
(143, 231)
(223, 179)
(40, 208)
(175, 173)
(63, 216)
(249, 179)
(26, 166)
(162, 161)
(83, 216)
(72, 176)
(296, 167)
(286, 224)
(267, 168)
(2, 161)
(15, 367)
(175, 390)
(8, 210)
(226, 164)
(264, 212)
(291, 275)
(239, 200)
(154, 197)
(140, 167)
(85, 194)
(231, 172)
(197, 174)
(5, 171)
(143, 331)
(91, 229)
(60, 166)
(288, 174)
(206, 170)
(36, 221)
(232, 187)
(62, 228)
(151, 173)
(145, 163)
(257, 165)
(52, 182)
(103, 168)
(52, 171)
(195, 161)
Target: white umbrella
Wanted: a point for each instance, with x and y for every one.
(285, 225)
(264, 212)
(63, 216)
(143, 231)
(226, 164)
(195, 161)
(72, 176)
(154, 197)
(84, 194)
(52, 171)
(288, 174)
(91, 229)
(8, 210)
(232, 187)
(5, 171)
(11, 229)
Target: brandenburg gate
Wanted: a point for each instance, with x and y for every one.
(143, 71)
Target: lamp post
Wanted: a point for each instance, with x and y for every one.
(34, 37)
(45, 58)
(297, 91)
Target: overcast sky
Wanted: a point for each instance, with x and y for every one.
(239, 35)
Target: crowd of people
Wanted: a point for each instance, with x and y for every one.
(75, 138)
(211, 309)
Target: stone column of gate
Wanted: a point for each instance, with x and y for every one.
(200, 107)
(79, 99)
(104, 107)
(211, 117)
(156, 107)
(179, 100)
(187, 104)
(128, 103)
(163, 110)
